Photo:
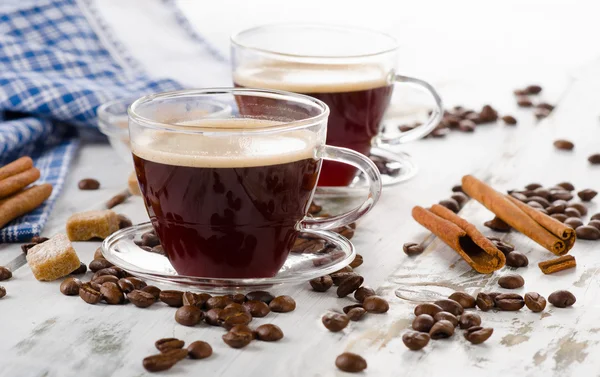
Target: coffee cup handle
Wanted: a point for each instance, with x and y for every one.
(362, 163)
(422, 130)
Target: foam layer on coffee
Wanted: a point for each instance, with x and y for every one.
(221, 151)
(312, 78)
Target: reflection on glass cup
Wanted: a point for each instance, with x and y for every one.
(227, 195)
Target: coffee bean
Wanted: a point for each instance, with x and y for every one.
(484, 301)
(237, 339)
(450, 306)
(559, 216)
(587, 194)
(565, 145)
(572, 212)
(357, 261)
(595, 224)
(363, 292)
(263, 296)
(541, 113)
(199, 350)
(562, 299)
(488, 114)
(493, 295)
(70, 287)
(468, 320)
(114, 271)
(464, 299)
(340, 271)
(349, 285)
(580, 208)
(423, 323)
(239, 298)
(447, 317)
(509, 120)
(105, 279)
(427, 308)
(116, 200)
(509, 302)
(125, 285)
(504, 247)
(212, 317)
(314, 208)
(25, 247)
(451, 204)
(498, 225)
(375, 304)
(5, 273)
(347, 308)
(538, 199)
(321, 284)
(478, 335)
(595, 216)
(460, 198)
(269, 333)
(516, 259)
(511, 281)
(439, 132)
(188, 315)
(282, 304)
(154, 291)
(594, 159)
(535, 302)
(171, 298)
(412, 248)
(111, 293)
(355, 314)
(141, 299)
(533, 186)
(535, 205)
(556, 208)
(99, 264)
(89, 293)
(588, 232)
(160, 362)
(124, 221)
(2, 291)
(232, 316)
(414, 340)
(573, 222)
(167, 344)
(524, 102)
(561, 195)
(88, 184)
(135, 282)
(350, 362)
(257, 308)
(38, 239)
(442, 329)
(457, 188)
(150, 239)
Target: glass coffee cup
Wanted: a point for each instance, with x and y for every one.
(228, 194)
(352, 70)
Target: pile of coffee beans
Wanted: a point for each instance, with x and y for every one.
(526, 99)
(557, 202)
(172, 352)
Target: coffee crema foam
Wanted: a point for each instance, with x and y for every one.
(312, 78)
(225, 151)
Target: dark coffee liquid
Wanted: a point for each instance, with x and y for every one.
(227, 221)
(356, 99)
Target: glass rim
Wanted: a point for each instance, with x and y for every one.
(235, 40)
(212, 92)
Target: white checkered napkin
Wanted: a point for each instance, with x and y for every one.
(54, 73)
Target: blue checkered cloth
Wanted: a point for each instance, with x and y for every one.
(54, 73)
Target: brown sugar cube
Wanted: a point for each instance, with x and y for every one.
(53, 259)
(132, 183)
(84, 226)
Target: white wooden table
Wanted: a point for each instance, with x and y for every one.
(43, 333)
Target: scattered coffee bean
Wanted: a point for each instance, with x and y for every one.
(446, 316)
(415, 340)
(509, 120)
(199, 350)
(2, 291)
(355, 314)
(5, 273)
(427, 308)
(587, 194)
(98, 254)
(111, 293)
(488, 114)
(82, 269)
(566, 185)
(263, 296)
(450, 306)
(478, 335)
(350, 362)
(37, 239)
(167, 344)
(89, 293)
(565, 145)
(561, 195)
(116, 200)
(244, 328)
(269, 333)
(460, 198)
(594, 159)
(257, 308)
(595, 224)
(441, 329)
(533, 186)
(357, 261)
(107, 271)
(314, 208)
(595, 216)
(212, 317)
(230, 320)
(556, 208)
(588, 232)
(141, 299)
(347, 308)
(363, 292)
(573, 222)
(468, 320)
(504, 247)
(150, 239)
(516, 259)
(375, 304)
(524, 102)
(124, 221)
(582, 209)
(88, 184)
(559, 216)
(160, 362)
(535, 302)
(70, 287)
(237, 339)
(572, 212)
(533, 89)
(349, 285)
(451, 204)
(562, 299)
(540, 200)
(282, 304)
(25, 247)
(498, 225)
(105, 279)
(125, 285)
(412, 248)
(171, 298)
(99, 264)
(457, 188)
(342, 270)
(423, 323)
(154, 291)
(464, 299)
(484, 301)
(188, 315)
(239, 298)
(511, 281)
(541, 113)
(509, 302)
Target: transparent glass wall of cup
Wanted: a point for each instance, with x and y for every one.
(352, 70)
(228, 195)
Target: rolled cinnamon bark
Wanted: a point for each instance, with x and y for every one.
(15, 167)
(516, 217)
(479, 252)
(17, 182)
(23, 202)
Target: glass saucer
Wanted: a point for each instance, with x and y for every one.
(121, 250)
(395, 168)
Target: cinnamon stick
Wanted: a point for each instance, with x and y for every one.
(23, 202)
(17, 182)
(530, 225)
(479, 252)
(15, 167)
